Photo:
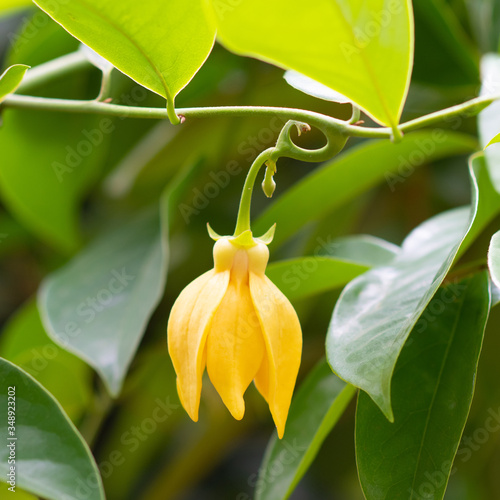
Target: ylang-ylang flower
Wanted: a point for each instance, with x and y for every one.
(237, 324)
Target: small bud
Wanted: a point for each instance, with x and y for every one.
(268, 185)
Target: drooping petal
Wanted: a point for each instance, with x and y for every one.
(188, 327)
(235, 347)
(283, 339)
(262, 379)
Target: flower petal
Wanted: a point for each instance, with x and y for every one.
(283, 339)
(235, 347)
(188, 327)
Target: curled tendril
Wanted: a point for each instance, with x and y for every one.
(335, 141)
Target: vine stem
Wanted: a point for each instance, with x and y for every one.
(16, 101)
(243, 219)
(70, 62)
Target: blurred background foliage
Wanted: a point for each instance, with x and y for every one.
(142, 457)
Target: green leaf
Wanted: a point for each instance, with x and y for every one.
(11, 78)
(377, 311)
(362, 50)
(160, 45)
(312, 87)
(432, 392)
(315, 409)
(333, 265)
(361, 248)
(99, 304)
(51, 458)
(489, 118)
(494, 259)
(305, 276)
(49, 160)
(355, 171)
(24, 342)
(494, 140)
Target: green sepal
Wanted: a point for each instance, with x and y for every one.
(215, 236)
(245, 239)
(268, 236)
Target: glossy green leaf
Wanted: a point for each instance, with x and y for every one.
(312, 87)
(24, 342)
(11, 78)
(99, 304)
(333, 265)
(49, 160)
(432, 392)
(494, 258)
(51, 458)
(160, 45)
(315, 409)
(377, 311)
(353, 172)
(489, 118)
(362, 50)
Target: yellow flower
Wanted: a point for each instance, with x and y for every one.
(235, 322)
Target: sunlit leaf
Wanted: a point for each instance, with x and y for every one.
(160, 45)
(316, 408)
(51, 458)
(377, 311)
(432, 391)
(362, 50)
(353, 172)
(11, 78)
